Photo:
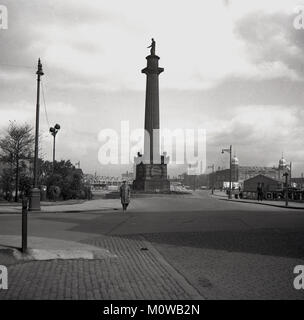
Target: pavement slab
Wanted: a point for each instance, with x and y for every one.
(84, 206)
(273, 203)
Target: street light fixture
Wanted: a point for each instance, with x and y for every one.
(54, 130)
(230, 174)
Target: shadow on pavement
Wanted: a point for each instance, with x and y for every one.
(280, 243)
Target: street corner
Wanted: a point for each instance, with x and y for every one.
(40, 249)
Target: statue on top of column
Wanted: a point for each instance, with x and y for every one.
(152, 46)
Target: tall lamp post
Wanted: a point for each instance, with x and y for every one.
(54, 130)
(34, 204)
(230, 173)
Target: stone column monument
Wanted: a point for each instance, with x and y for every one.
(151, 168)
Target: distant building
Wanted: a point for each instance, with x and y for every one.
(194, 181)
(239, 173)
(101, 182)
(268, 184)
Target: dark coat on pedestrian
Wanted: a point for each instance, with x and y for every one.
(125, 193)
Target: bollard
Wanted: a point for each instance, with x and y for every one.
(24, 224)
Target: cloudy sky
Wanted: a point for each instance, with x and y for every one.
(235, 68)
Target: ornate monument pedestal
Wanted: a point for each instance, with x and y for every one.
(151, 176)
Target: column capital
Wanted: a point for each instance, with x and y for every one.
(152, 56)
(148, 70)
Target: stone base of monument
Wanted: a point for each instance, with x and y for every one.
(151, 178)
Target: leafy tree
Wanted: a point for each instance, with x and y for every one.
(45, 171)
(7, 183)
(64, 168)
(16, 147)
(66, 177)
(25, 184)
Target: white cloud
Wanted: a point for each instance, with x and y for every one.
(195, 40)
(259, 134)
(61, 109)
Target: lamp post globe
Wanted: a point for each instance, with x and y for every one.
(54, 130)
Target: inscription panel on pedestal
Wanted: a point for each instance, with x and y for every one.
(156, 171)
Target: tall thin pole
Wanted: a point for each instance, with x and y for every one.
(39, 74)
(213, 178)
(230, 182)
(286, 188)
(54, 130)
(290, 183)
(24, 225)
(17, 178)
(35, 192)
(54, 152)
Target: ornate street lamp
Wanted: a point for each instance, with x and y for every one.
(230, 179)
(54, 130)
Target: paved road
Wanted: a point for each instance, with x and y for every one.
(178, 247)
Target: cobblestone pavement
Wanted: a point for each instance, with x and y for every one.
(239, 266)
(138, 272)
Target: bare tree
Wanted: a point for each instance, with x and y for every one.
(17, 145)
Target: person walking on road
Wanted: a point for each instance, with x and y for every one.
(260, 192)
(125, 195)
